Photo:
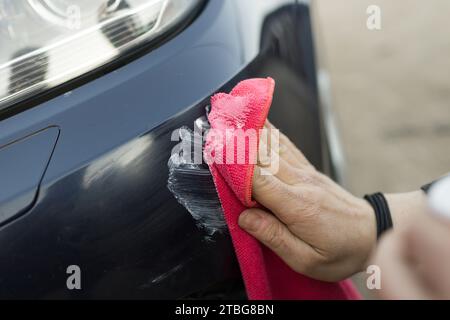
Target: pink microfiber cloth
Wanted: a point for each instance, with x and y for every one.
(265, 275)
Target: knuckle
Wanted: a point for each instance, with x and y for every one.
(262, 182)
(294, 194)
(307, 203)
(302, 195)
(314, 196)
(274, 236)
(266, 185)
(312, 177)
(309, 195)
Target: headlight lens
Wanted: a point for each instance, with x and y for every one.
(44, 43)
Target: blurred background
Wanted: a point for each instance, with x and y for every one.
(391, 91)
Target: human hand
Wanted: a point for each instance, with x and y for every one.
(314, 225)
(415, 262)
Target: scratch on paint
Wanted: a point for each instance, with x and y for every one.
(166, 274)
(193, 187)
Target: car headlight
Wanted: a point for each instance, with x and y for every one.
(44, 43)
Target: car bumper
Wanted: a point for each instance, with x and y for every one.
(102, 201)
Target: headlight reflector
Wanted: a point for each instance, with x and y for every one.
(47, 42)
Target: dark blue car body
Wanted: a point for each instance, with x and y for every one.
(83, 170)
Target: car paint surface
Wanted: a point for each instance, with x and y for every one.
(103, 204)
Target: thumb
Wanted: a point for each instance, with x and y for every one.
(276, 236)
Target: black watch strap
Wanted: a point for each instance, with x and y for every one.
(382, 212)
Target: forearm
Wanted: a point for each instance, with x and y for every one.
(405, 207)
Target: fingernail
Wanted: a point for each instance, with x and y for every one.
(250, 221)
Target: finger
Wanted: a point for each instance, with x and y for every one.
(398, 278)
(271, 139)
(274, 194)
(277, 237)
(288, 149)
(265, 156)
(277, 166)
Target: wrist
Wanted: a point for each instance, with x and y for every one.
(369, 233)
(405, 207)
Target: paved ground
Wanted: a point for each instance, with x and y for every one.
(391, 90)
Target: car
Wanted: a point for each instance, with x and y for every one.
(85, 137)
